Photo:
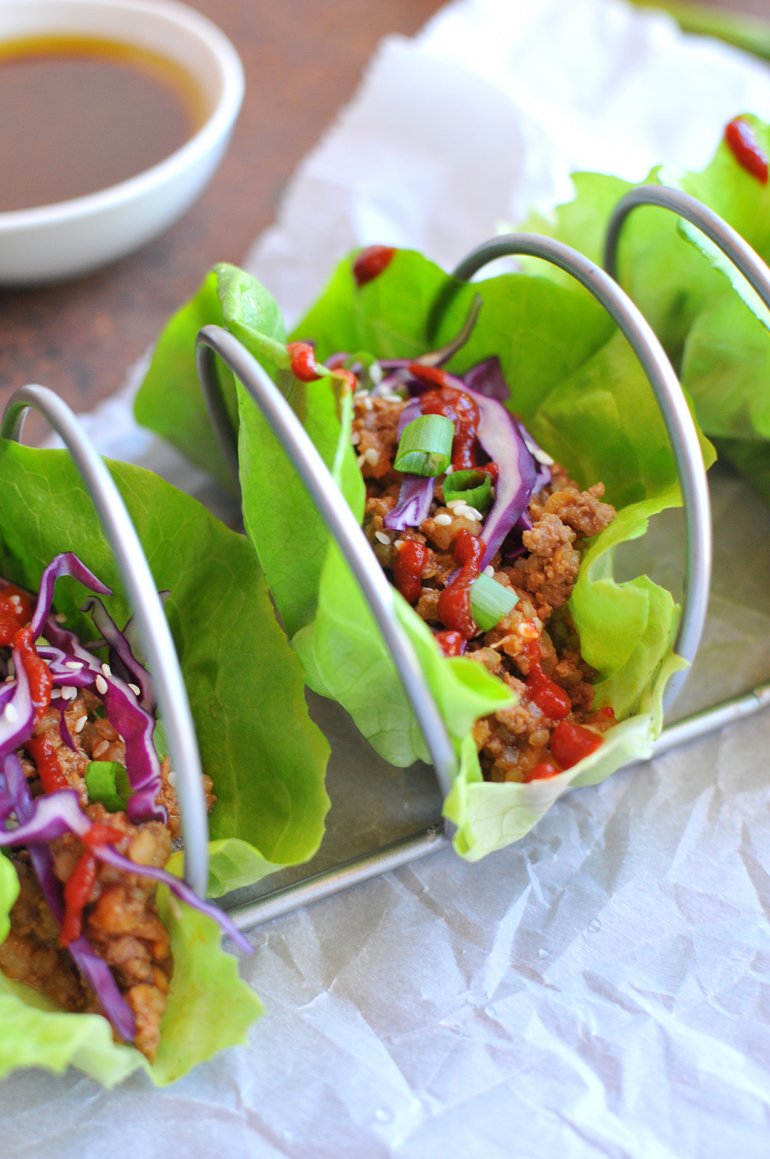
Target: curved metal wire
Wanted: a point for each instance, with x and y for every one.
(148, 611)
(679, 423)
(339, 519)
(728, 240)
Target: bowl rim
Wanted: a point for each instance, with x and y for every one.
(215, 126)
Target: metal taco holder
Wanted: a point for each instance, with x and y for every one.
(153, 627)
(748, 263)
(216, 341)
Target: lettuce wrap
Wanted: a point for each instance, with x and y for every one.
(577, 387)
(240, 675)
(712, 324)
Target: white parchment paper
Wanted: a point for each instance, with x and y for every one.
(603, 988)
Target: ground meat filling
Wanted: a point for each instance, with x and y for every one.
(535, 644)
(120, 918)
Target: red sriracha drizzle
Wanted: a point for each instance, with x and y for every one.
(549, 697)
(454, 603)
(743, 144)
(15, 614)
(38, 672)
(78, 886)
(407, 570)
(15, 611)
(303, 363)
(571, 742)
(371, 262)
(453, 404)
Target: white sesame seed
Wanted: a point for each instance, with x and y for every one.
(360, 460)
(101, 748)
(372, 456)
(360, 395)
(106, 670)
(367, 403)
(135, 689)
(453, 504)
(69, 692)
(489, 570)
(15, 600)
(80, 723)
(74, 665)
(355, 438)
(393, 398)
(11, 712)
(398, 543)
(172, 778)
(382, 536)
(443, 520)
(101, 685)
(55, 693)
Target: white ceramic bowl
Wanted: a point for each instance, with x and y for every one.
(53, 242)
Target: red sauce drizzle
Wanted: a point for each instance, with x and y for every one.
(571, 742)
(454, 603)
(549, 697)
(407, 570)
(15, 611)
(38, 672)
(77, 890)
(44, 754)
(453, 404)
(371, 262)
(303, 363)
(743, 144)
(78, 886)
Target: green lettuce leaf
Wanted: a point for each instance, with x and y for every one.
(712, 323)
(575, 382)
(247, 695)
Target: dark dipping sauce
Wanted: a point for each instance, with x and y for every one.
(78, 114)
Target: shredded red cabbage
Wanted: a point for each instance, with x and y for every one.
(15, 798)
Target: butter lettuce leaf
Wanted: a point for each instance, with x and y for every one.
(247, 695)
(580, 390)
(712, 323)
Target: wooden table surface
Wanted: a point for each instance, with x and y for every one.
(303, 60)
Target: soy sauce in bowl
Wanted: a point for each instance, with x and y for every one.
(83, 113)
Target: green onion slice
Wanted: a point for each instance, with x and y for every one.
(473, 487)
(426, 446)
(490, 601)
(107, 784)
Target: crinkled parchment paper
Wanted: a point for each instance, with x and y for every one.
(603, 988)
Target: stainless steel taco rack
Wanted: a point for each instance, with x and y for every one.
(728, 240)
(351, 540)
(151, 620)
(214, 342)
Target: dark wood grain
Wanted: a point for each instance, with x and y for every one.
(303, 61)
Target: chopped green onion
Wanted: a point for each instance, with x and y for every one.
(107, 784)
(490, 601)
(426, 446)
(473, 487)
